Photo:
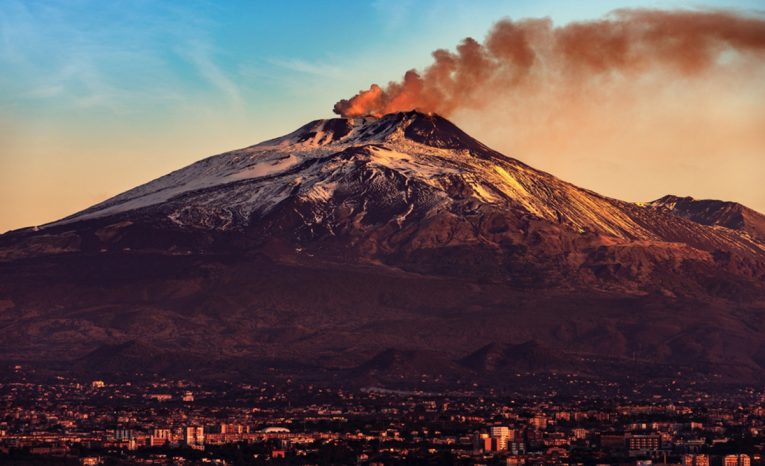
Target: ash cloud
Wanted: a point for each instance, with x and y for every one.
(532, 55)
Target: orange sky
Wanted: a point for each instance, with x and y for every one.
(638, 140)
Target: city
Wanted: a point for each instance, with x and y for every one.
(67, 421)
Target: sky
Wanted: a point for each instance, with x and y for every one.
(98, 97)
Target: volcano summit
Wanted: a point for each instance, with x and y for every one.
(388, 248)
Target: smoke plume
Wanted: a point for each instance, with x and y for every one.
(637, 105)
(532, 54)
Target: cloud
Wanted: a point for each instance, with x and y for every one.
(201, 56)
(75, 57)
(324, 70)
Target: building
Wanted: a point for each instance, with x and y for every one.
(516, 448)
(479, 441)
(238, 429)
(539, 422)
(737, 460)
(491, 444)
(613, 440)
(160, 437)
(695, 460)
(643, 443)
(195, 435)
(485, 442)
(123, 434)
(501, 434)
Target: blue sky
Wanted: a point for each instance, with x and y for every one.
(97, 97)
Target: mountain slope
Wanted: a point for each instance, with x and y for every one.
(711, 212)
(412, 191)
(326, 156)
(353, 238)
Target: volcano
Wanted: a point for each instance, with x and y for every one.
(316, 252)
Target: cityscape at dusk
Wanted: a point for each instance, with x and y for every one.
(182, 422)
(382, 233)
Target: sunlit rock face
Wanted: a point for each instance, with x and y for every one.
(353, 242)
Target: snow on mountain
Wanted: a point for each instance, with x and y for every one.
(407, 164)
(309, 164)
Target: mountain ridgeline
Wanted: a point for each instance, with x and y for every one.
(384, 250)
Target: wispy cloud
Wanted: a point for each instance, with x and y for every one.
(200, 54)
(394, 15)
(324, 70)
(63, 57)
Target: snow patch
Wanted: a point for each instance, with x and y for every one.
(265, 168)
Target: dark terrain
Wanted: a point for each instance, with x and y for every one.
(357, 265)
